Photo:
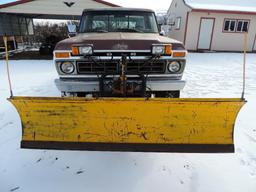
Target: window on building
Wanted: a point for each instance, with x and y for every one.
(242, 26)
(230, 25)
(233, 25)
(178, 23)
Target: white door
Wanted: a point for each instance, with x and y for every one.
(205, 34)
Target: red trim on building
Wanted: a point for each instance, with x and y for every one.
(14, 3)
(27, 1)
(223, 11)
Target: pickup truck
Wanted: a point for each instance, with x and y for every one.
(120, 52)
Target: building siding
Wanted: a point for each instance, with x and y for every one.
(178, 9)
(221, 41)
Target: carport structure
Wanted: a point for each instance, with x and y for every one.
(16, 18)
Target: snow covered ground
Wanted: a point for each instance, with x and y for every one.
(208, 75)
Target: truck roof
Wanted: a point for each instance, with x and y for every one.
(118, 9)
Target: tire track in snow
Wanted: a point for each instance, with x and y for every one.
(5, 125)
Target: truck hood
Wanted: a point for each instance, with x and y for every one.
(118, 41)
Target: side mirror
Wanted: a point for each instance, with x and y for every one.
(162, 33)
(71, 30)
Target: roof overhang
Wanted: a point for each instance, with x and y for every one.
(29, 8)
(225, 9)
(27, 1)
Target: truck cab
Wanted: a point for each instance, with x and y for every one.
(120, 52)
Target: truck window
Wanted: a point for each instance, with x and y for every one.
(142, 22)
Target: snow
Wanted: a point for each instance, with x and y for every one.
(224, 5)
(207, 75)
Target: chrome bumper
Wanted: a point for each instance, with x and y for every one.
(77, 85)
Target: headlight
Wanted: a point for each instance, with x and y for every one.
(174, 66)
(158, 49)
(87, 50)
(162, 49)
(67, 67)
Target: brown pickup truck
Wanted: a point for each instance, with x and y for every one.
(120, 52)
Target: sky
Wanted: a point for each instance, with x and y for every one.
(151, 4)
(158, 5)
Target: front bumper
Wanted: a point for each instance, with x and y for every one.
(92, 85)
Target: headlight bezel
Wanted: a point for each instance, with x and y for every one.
(156, 47)
(89, 50)
(67, 72)
(166, 49)
(77, 50)
(171, 63)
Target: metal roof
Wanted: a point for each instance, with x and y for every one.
(223, 6)
(27, 1)
(52, 9)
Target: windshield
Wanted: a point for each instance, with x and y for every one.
(118, 21)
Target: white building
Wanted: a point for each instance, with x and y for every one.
(16, 18)
(215, 25)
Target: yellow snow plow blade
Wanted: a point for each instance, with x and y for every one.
(130, 124)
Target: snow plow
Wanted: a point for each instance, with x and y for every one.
(120, 90)
(130, 124)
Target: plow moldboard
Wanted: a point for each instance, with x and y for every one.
(154, 125)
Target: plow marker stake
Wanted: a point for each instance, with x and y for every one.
(154, 125)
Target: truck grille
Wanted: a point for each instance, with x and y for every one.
(99, 67)
(113, 67)
(142, 67)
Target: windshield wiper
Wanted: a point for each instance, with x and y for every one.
(129, 30)
(97, 31)
(101, 31)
